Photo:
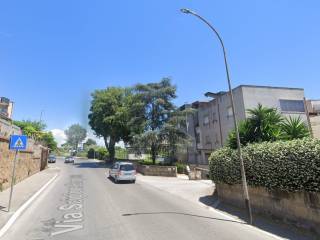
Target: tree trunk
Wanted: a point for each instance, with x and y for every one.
(153, 153)
(111, 148)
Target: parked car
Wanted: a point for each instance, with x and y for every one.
(123, 171)
(69, 159)
(52, 159)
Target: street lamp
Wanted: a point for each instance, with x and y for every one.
(243, 174)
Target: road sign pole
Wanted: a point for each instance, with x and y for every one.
(13, 178)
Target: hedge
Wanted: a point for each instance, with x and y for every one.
(282, 165)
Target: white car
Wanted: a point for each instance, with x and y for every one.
(123, 171)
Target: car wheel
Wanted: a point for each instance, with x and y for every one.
(133, 181)
(116, 180)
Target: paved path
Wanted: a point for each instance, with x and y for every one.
(84, 204)
(23, 191)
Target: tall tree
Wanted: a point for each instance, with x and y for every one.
(114, 115)
(75, 135)
(90, 142)
(157, 99)
(49, 141)
(174, 133)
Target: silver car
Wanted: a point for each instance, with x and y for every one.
(69, 159)
(123, 171)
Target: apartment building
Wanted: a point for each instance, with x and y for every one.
(6, 107)
(210, 125)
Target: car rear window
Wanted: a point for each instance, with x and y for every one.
(127, 167)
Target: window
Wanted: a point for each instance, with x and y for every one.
(198, 137)
(126, 167)
(214, 117)
(292, 105)
(206, 120)
(229, 112)
(208, 141)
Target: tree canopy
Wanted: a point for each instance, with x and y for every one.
(114, 116)
(36, 130)
(158, 106)
(75, 135)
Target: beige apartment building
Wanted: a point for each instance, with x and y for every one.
(210, 125)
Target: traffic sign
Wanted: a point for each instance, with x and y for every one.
(18, 142)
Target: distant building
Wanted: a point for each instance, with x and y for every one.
(6, 107)
(210, 125)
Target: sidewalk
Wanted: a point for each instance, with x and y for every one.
(22, 192)
(202, 192)
(181, 186)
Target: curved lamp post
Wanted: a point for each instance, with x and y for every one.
(243, 174)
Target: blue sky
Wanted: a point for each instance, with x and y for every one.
(53, 54)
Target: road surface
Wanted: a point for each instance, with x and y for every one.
(83, 203)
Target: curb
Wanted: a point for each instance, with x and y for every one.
(20, 210)
(226, 215)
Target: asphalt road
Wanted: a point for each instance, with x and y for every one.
(83, 203)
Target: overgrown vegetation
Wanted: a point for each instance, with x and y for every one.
(97, 152)
(36, 130)
(283, 165)
(267, 124)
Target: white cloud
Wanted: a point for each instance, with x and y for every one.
(59, 136)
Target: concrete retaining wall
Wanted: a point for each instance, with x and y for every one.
(300, 208)
(153, 170)
(29, 162)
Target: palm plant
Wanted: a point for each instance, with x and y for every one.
(293, 128)
(264, 123)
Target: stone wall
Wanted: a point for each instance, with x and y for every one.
(29, 162)
(153, 170)
(299, 208)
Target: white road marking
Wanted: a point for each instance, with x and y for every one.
(15, 216)
(73, 207)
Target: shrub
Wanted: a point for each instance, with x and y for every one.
(98, 152)
(284, 165)
(181, 167)
(102, 153)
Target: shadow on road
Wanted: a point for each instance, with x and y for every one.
(120, 182)
(268, 224)
(90, 164)
(184, 214)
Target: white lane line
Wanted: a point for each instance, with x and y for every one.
(15, 216)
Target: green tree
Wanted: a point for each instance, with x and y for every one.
(114, 115)
(90, 142)
(294, 128)
(75, 135)
(157, 99)
(33, 129)
(174, 133)
(36, 130)
(48, 140)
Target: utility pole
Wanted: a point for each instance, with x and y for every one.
(243, 174)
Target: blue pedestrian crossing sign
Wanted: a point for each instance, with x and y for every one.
(18, 142)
